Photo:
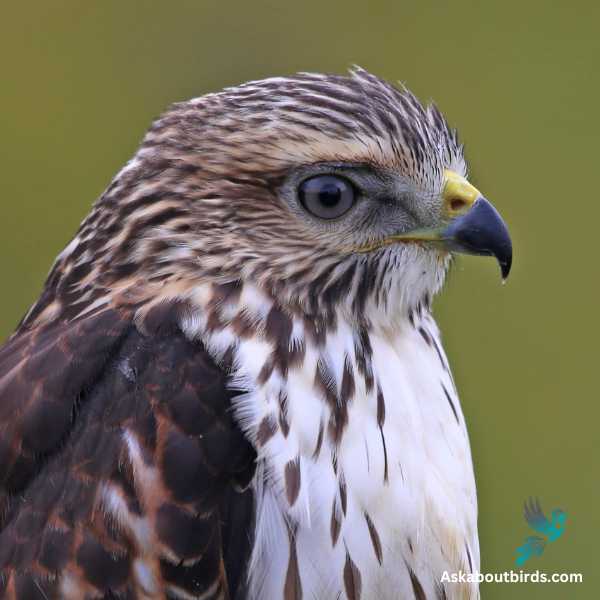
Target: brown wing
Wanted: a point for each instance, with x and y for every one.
(121, 467)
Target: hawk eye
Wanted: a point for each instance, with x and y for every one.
(326, 196)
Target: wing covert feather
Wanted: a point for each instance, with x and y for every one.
(131, 489)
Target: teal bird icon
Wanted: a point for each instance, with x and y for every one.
(552, 529)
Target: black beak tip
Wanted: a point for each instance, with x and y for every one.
(500, 246)
(505, 265)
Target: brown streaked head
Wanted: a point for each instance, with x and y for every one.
(310, 186)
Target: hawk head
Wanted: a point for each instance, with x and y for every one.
(330, 192)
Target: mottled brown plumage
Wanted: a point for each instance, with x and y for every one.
(64, 458)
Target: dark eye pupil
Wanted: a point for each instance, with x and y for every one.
(326, 196)
(330, 195)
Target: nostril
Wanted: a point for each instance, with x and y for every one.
(457, 204)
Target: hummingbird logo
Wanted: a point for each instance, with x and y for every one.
(551, 530)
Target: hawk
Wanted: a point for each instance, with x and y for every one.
(232, 385)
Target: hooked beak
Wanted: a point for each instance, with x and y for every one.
(482, 231)
(475, 226)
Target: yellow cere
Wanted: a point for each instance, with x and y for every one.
(459, 194)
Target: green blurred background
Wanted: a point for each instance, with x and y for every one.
(81, 81)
